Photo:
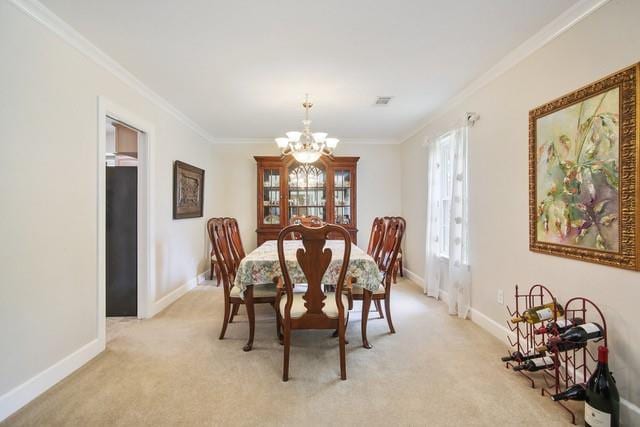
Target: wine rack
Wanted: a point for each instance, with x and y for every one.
(575, 366)
(526, 340)
(572, 366)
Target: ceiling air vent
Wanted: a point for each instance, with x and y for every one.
(383, 100)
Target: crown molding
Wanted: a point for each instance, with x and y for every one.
(40, 13)
(363, 141)
(559, 25)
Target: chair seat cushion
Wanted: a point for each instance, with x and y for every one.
(298, 309)
(358, 290)
(259, 291)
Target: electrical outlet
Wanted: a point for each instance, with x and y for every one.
(500, 296)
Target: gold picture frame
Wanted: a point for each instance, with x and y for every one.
(584, 181)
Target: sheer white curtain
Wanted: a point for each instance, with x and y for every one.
(447, 252)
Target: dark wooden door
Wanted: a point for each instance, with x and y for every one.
(122, 241)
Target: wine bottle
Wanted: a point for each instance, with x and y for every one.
(539, 364)
(520, 357)
(602, 402)
(575, 392)
(540, 313)
(558, 347)
(581, 333)
(558, 327)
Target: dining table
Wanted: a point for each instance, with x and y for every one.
(262, 267)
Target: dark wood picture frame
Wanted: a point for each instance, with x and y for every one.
(193, 207)
(626, 253)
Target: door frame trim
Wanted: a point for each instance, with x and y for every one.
(146, 258)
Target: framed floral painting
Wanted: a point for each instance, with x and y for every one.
(583, 174)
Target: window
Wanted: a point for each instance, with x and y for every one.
(444, 159)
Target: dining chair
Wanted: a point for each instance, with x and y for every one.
(213, 270)
(316, 308)
(237, 252)
(307, 220)
(398, 266)
(375, 238)
(393, 233)
(374, 248)
(259, 294)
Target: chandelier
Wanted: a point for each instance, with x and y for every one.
(306, 147)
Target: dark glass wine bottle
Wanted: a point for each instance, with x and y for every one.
(520, 357)
(539, 364)
(558, 327)
(581, 333)
(558, 347)
(575, 392)
(602, 403)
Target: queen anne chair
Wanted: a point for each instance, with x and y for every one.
(306, 220)
(375, 238)
(398, 266)
(262, 294)
(316, 308)
(237, 252)
(214, 270)
(387, 256)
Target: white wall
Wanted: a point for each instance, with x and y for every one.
(378, 184)
(603, 43)
(48, 182)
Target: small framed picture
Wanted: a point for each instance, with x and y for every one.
(188, 190)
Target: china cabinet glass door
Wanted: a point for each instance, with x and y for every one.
(307, 192)
(342, 179)
(271, 196)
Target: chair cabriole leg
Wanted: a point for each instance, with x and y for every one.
(225, 319)
(378, 305)
(234, 312)
(387, 307)
(248, 302)
(287, 346)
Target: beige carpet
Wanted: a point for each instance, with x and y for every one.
(172, 370)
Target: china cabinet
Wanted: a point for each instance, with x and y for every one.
(286, 188)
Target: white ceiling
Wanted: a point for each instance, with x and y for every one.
(240, 68)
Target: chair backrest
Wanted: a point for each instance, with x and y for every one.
(209, 223)
(235, 241)
(222, 251)
(376, 237)
(314, 259)
(307, 220)
(394, 230)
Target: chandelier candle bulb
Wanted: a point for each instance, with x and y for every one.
(332, 142)
(282, 142)
(294, 136)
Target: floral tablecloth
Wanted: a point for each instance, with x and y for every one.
(262, 266)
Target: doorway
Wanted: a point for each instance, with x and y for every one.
(121, 162)
(124, 167)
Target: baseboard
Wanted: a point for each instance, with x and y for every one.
(15, 399)
(174, 295)
(630, 413)
(202, 277)
(494, 328)
(419, 282)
